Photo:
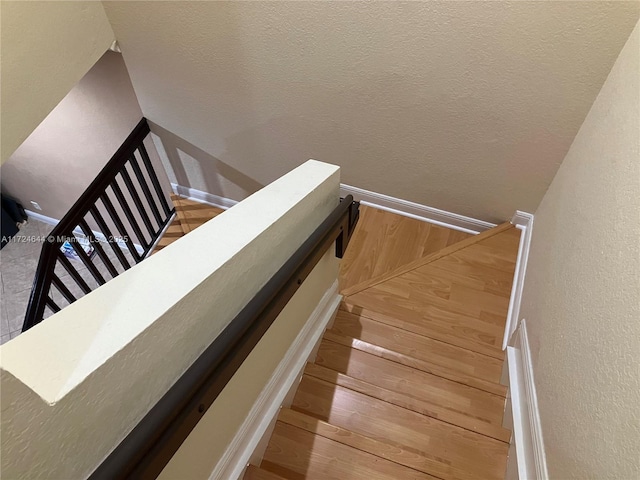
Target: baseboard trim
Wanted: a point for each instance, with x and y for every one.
(203, 197)
(266, 407)
(366, 197)
(78, 231)
(416, 211)
(527, 438)
(524, 222)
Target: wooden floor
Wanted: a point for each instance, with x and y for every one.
(189, 216)
(405, 385)
(390, 241)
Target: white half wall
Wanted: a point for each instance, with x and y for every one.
(74, 385)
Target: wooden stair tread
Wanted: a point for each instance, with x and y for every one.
(382, 421)
(256, 473)
(193, 214)
(425, 406)
(295, 453)
(408, 375)
(189, 216)
(383, 450)
(382, 242)
(417, 346)
(454, 396)
(498, 283)
(172, 233)
(438, 370)
(461, 298)
(431, 321)
(428, 259)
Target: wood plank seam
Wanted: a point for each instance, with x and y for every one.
(422, 407)
(498, 354)
(428, 259)
(352, 439)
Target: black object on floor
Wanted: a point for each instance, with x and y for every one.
(12, 214)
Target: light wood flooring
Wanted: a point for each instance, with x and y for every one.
(189, 216)
(405, 385)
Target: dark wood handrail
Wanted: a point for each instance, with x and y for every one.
(86, 204)
(154, 440)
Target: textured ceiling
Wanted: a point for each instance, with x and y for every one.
(465, 106)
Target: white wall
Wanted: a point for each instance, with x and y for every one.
(464, 106)
(46, 48)
(582, 291)
(75, 384)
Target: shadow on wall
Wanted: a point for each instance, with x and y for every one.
(190, 166)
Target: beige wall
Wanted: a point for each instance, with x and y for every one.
(465, 106)
(582, 291)
(46, 48)
(67, 150)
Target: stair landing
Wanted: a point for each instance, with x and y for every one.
(406, 382)
(189, 216)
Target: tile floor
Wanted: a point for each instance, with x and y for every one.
(18, 263)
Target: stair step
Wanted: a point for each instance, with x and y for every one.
(257, 473)
(193, 214)
(382, 421)
(460, 295)
(451, 402)
(171, 234)
(418, 346)
(382, 242)
(383, 450)
(463, 244)
(498, 283)
(296, 454)
(440, 371)
(432, 322)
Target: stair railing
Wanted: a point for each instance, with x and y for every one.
(113, 225)
(156, 438)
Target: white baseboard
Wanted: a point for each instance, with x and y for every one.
(524, 222)
(417, 211)
(42, 218)
(373, 199)
(78, 231)
(526, 442)
(203, 197)
(265, 409)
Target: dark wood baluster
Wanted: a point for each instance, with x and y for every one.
(120, 226)
(145, 189)
(35, 314)
(85, 259)
(129, 214)
(154, 179)
(107, 233)
(139, 205)
(101, 253)
(62, 288)
(52, 305)
(75, 275)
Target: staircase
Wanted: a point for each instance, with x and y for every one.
(405, 384)
(189, 216)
